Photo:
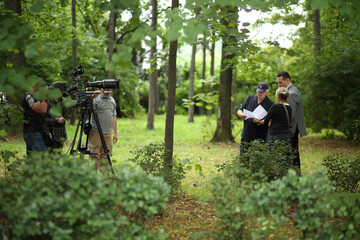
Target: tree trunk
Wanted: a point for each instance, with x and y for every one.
(223, 131)
(202, 106)
(153, 74)
(212, 73)
(74, 50)
(170, 110)
(111, 36)
(191, 108)
(18, 60)
(233, 93)
(317, 33)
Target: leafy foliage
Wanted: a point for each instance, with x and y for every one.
(229, 194)
(62, 197)
(151, 159)
(344, 171)
(273, 160)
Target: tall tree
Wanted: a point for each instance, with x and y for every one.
(154, 72)
(111, 39)
(317, 32)
(170, 110)
(74, 48)
(74, 38)
(191, 109)
(223, 132)
(17, 58)
(212, 73)
(203, 76)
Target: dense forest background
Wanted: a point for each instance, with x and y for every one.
(129, 41)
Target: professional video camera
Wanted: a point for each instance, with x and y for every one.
(78, 84)
(77, 88)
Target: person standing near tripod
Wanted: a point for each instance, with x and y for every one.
(105, 107)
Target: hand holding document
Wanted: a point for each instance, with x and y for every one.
(258, 113)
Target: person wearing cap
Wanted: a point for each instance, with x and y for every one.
(251, 130)
(297, 122)
(34, 121)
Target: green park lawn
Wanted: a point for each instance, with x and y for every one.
(185, 214)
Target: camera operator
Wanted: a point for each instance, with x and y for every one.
(34, 121)
(56, 125)
(105, 107)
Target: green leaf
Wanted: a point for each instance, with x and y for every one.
(56, 110)
(53, 94)
(37, 6)
(3, 133)
(32, 50)
(8, 42)
(68, 102)
(41, 93)
(319, 4)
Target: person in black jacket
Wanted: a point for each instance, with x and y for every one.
(251, 130)
(278, 118)
(34, 121)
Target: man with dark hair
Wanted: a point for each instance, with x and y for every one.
(251, 130)
(34, 121)
(297, 123)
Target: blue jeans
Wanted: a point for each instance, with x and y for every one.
(34, 142)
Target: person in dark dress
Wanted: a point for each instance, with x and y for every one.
(278, 118)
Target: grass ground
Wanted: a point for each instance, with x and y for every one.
(185, 215)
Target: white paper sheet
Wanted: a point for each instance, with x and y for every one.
(258, 113)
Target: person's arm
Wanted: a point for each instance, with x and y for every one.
(96, 94)
(40, 107)
(115, 137)
(241, 114)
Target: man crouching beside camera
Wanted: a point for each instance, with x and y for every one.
(105, 107)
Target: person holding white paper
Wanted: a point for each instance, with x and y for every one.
(254, 104)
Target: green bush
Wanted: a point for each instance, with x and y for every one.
(344, 171)
(151, 159)
(229, 192)
(62, 197)
(345, 207)
(250, 208)
(274, 160)
(303, 194)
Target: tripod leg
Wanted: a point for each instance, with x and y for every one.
(80, 122)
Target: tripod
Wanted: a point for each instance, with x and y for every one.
(87, 108)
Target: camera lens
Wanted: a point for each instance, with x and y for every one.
(107, 84)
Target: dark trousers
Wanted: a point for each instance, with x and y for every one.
(295, 147)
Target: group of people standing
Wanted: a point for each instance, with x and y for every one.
(38, 122)
(284, 121)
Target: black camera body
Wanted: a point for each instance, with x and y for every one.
(77, 86)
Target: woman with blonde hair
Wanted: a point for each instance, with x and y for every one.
(278, 118)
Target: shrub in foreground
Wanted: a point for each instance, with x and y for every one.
(250, 209)
(62, 197)
(151, 158)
